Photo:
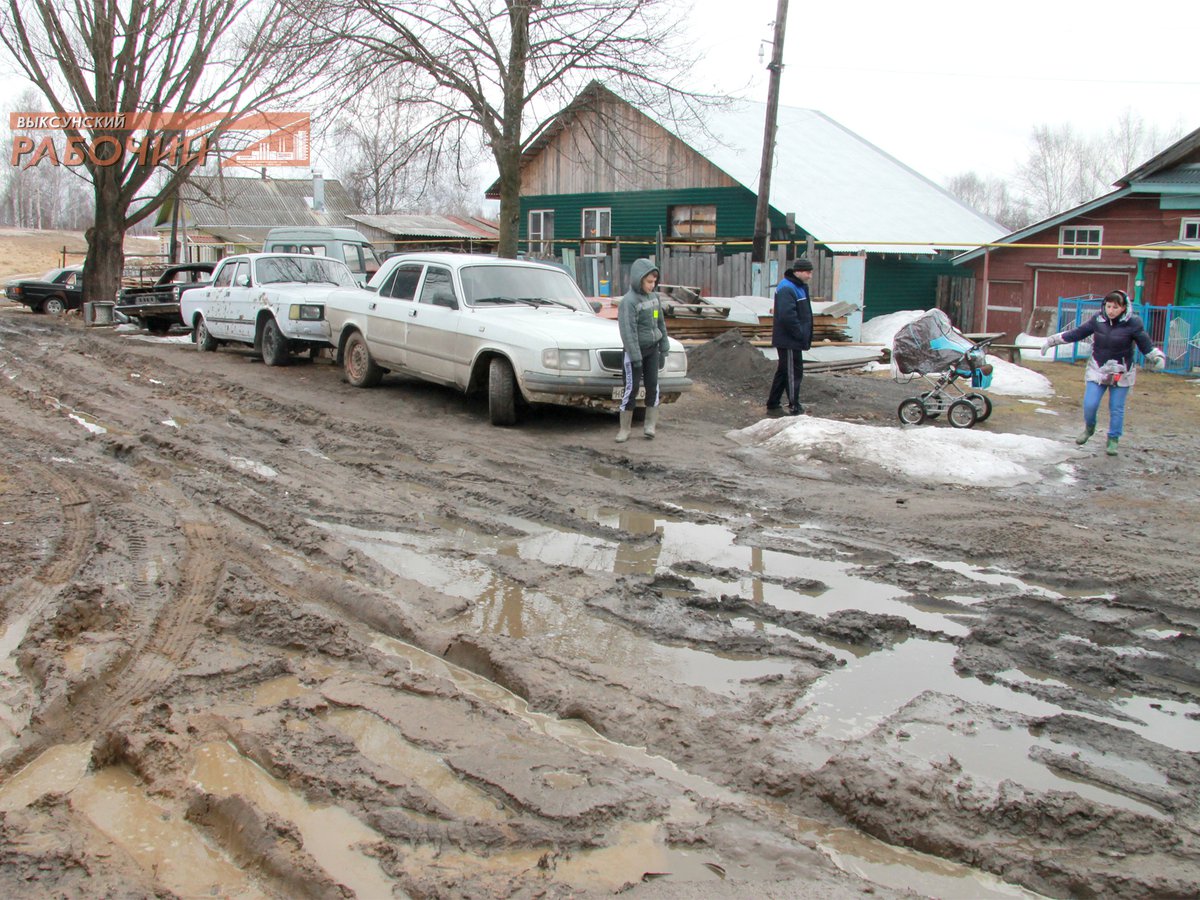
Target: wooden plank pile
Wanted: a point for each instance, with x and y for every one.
(828, 325)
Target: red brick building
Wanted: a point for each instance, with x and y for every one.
(1144, 238)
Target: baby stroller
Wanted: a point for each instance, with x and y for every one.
(932, 349)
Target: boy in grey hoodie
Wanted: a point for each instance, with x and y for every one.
(644, 338)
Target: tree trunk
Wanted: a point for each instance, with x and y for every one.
(508, 160)
(105, 239)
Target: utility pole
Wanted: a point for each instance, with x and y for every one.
(762, 218)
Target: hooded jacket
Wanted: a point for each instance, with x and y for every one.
(1112, 340)
(640, 316)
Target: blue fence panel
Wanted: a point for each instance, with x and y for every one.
(1175, 329)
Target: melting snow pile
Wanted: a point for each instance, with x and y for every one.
(932, 455)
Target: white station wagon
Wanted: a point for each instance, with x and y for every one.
(274, 302)
(522, 331)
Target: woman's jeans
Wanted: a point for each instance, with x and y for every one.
(1092, 392)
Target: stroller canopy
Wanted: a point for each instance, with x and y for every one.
(928, 345)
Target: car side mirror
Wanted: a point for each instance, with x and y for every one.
(596, 305)
(373, 288)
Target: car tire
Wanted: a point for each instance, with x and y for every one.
(158, 325)
(358, 368)
(205, 342)
(502, 392)
(274, 345)
(54, 306)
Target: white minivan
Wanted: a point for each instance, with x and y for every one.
(345, 244)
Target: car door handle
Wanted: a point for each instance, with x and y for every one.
(372, 306)
(412, 313)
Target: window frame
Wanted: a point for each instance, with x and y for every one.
(540, 240)
(684, 230)
(1076, 248)
(1184, 224)
(603, 215)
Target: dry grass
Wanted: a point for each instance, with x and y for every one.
(27, 253)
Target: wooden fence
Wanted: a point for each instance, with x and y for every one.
(714, 276)
(956, 298)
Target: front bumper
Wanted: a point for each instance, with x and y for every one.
(306, 329)
(591, 390)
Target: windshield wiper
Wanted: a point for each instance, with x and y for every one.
(540, 301)
(496, 300)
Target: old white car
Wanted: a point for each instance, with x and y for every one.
(274, 302)
(521, 331)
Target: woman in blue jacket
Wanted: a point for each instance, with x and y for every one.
(1114, 332)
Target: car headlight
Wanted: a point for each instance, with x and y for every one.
(309, 312)
(566, 360)
(676, 363)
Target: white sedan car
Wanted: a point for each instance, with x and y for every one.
(522, 331)
(274, 302)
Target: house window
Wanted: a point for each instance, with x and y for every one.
(1189, 230)
(541, 232)
(1079, 243)
(597, 223)
(693, 223)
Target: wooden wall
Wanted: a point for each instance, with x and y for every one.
(614, 147)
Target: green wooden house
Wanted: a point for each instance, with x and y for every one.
(606, 182)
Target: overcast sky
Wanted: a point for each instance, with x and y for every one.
(950, 87)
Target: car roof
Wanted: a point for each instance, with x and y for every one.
(459, 260)
(256, 256)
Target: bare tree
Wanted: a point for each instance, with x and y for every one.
(1065, 168)
(137, 56)
(993, 198)
(385, 168)
(499, 69)
(1128, 143)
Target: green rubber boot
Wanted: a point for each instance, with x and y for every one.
(1088, 431)
(1111, 448)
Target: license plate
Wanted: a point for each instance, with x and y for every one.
(619, 392)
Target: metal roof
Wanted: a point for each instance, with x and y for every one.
(430, 226)
(846, 192)
(213, 202)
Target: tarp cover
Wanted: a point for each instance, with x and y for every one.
(929, 344)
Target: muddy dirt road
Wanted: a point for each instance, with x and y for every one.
(265, 634)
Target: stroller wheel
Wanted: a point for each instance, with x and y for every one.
(983, 406)
(912, 411)
(962, 414)
(934, 403)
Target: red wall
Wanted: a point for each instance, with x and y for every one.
(1129, 221)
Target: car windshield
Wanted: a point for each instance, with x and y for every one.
(524, 285)
(293, 270)
(53, 275)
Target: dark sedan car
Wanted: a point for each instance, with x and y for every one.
(55, 292)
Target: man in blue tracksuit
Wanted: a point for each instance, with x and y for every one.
(791, 334)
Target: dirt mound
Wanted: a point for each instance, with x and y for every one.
(733, 367)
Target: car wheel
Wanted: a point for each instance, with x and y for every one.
(502, 392)
(961, 414)
(55, 306)
(274, 345)
(205, 342)
(983, 406)
(357, 365)
(911, 411)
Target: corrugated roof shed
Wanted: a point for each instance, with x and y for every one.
(213, 202)
(430, 226)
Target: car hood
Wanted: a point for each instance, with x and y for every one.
(553, 327)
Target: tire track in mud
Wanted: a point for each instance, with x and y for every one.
(154, 660)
